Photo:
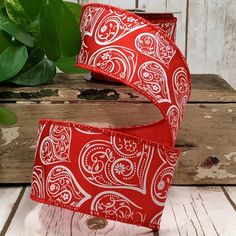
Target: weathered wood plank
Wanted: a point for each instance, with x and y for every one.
(119, 3)
(211, 38)
(170, 6)
(231, 191)
(204, 161)
(179, 6)
(207, 137)
(33, 219)
(205, 88)
(8, 197)
(201, 211)
(195, 211)
(158, 6)
(17, 227)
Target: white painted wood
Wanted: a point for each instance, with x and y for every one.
(35, 219)
(16, 227)
(193, 211)
(130, 4)
(201, 211)
(212, 37)
(179, 6)
(8, 196)
(153, 5)
(232, 193)
(171, 6)
(211, 32)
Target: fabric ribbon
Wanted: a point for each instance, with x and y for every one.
(123, 173)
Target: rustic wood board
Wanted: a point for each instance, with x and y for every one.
(33, 219)
(211, 38)
(119, 3)
(195, 211)
(201, 211)
(231, 192)
(207, 137)
(8, 197)
(170, 6)
(70, 88)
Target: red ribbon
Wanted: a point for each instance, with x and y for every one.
(121, 174)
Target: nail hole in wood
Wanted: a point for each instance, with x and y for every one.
(95, 223)
(209, 162)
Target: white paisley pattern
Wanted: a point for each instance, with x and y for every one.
(155, 46)
(120, 163)
(116, 205)
(40, 130)
(156, 220)
(118, 61)
(167, 27)
(62, 187)
(38, 189)
(115, 26)
(153, 80)
(56, 146)
(168, 156)
(160, 184)
(83, 54)
(89, 19)
(123, 173)
(173, 119)
(181, 88)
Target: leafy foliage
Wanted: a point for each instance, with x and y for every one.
(7, 117)
(35, 38)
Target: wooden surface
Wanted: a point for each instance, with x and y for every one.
(206, 32)
(194, 211)
(207, 137)
(8, 198)
(171, 6)
(211, 38)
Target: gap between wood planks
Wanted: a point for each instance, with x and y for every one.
(233, 204)
(13, 211)
(191, 210)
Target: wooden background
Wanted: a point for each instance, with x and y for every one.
(206, 32)
(207, 137)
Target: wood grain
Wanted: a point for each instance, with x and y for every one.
(70, 88)
(158, 6)
(195, 211)
(211, 38)
(231, 193)
(199, 211)
(207, 137)
(8, 196)
(119, 3)
(33, 219)
(181, 7)
(202, 131)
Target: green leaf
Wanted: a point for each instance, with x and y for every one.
(14, 30)
(60, 35)
(16, 13)
(31, 9)
(12, 61)
(76, 10)
(2, 4)
(5, 41)
(67, 65)
(7, 117)
(35, 56)
(39, 74)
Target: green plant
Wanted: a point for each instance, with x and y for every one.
(36, 37)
